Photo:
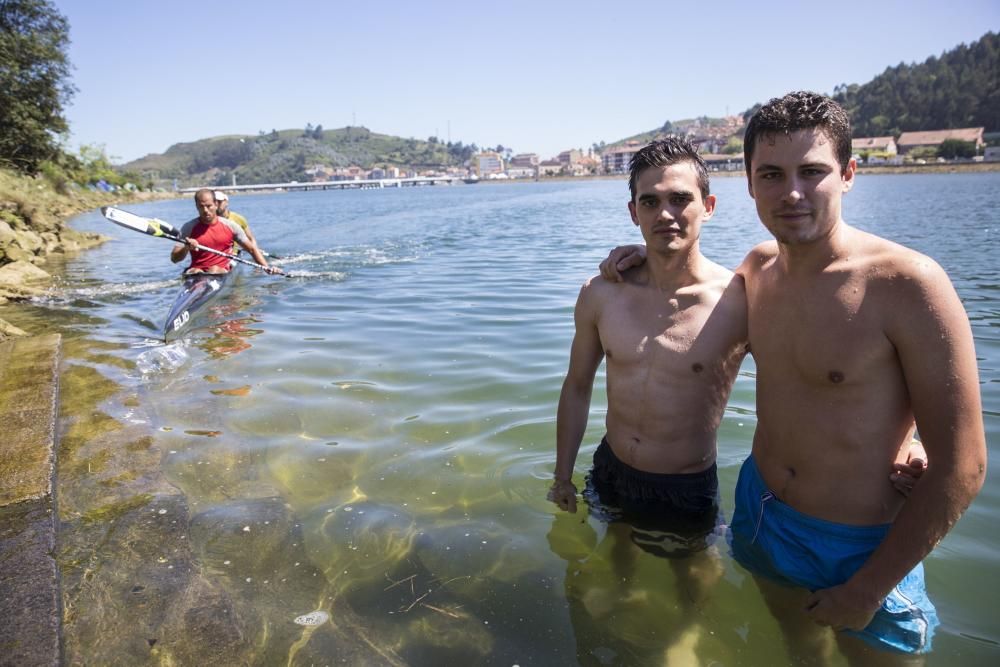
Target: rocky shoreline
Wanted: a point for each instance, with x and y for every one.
(34, 226)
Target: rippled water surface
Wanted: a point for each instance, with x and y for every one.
(375, 440)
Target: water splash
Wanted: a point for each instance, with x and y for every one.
(58, 296)
(162, 359)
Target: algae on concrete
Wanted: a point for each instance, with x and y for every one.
(28, 370)
(29, 585)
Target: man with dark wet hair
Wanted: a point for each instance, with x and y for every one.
(857, 340)
(673, 335)
(800, 111)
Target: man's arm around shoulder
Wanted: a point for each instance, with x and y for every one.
(931, 333)
(759, 255)
(573, 413)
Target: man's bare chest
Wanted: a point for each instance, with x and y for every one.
(670, 335)
(827, 336)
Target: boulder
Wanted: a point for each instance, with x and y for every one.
(51, 242)
(28, 240)
(17, 254)
(6, 233)
(20, 272)
(8, 330)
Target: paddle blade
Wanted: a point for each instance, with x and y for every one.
(150, 226)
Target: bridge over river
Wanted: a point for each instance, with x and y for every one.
(342, 185)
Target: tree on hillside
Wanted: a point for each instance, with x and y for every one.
(953, 148)
(34, 82)
(961, 88)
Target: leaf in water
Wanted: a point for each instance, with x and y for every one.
(238, 391)
(211, 378)
(207, 434)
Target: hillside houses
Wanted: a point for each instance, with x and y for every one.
(718, 142)
(884, 145)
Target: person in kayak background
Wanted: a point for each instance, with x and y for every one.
(211, 231)
(223, 211)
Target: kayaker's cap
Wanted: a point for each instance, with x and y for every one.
(220, 195)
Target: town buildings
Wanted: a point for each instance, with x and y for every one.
(909, 141)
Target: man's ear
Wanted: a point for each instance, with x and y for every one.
(709, 206)
(631, 212)
(750, 187)
(849, 173)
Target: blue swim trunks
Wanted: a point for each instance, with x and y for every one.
(772, 539)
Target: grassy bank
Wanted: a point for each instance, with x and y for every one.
(34, 215)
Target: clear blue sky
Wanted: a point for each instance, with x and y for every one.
(537, 76)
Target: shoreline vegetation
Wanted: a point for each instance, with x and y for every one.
(34, 226)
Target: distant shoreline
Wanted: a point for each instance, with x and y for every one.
(962, 167)
(935, 168)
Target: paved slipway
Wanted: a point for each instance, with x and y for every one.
(30, 615)
(96, 564)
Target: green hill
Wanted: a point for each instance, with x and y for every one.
(961, 88)
(286, 155)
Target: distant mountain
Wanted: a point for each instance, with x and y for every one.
(288, 155)
(961, 88)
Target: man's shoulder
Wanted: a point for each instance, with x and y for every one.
(902, 281)
(235, 228)
(887, 260)
(759, 256)
(597, 285)
(189, 226)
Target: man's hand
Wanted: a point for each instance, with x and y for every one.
(273, 270)
(621, 259)
(191, 244)
(905, 475)
(563, 494)
(842, 609)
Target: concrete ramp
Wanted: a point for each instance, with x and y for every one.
(30, 612)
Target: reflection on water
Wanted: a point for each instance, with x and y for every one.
(375, 442)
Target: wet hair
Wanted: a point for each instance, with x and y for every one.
(801, 110)
(203, 191)
(664, 153)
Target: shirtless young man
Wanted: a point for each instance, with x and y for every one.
(674, 334)
(211, 231)
(856, 341)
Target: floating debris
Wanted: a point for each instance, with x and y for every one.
(313, 618)
(238, 391)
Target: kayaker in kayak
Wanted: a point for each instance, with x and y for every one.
(211, 231)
